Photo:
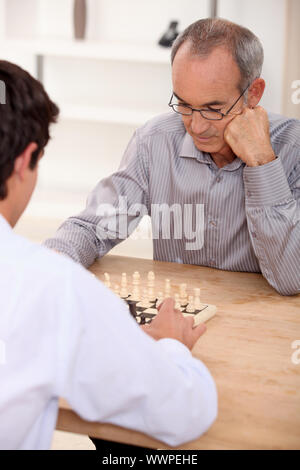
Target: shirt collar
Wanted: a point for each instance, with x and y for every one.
(4, 225)
(189, 150)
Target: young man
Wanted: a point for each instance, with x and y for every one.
(219, 153)
(64, 334)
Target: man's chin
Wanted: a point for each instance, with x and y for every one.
(208, 145)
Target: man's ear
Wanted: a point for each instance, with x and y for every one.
(22, 162)
(256, 90)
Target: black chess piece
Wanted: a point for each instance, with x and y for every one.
(170, 35)
(132, 308)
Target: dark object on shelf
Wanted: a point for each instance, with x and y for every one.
(79, 18)
(214, 8)
(170, 35)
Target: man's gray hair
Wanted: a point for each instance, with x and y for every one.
(205, 35)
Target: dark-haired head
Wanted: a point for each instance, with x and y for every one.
(26, 113)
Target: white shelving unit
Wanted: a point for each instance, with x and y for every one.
(90, 50)
(119, 33)
(116, 116)
(42, 50)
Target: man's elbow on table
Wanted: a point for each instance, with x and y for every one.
(195, 418)
(284, 288)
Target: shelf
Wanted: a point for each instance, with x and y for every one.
(90, 50)
(109, 115)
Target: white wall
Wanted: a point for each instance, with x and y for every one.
(267, 19)
(120, 20)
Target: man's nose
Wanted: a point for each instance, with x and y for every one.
(199, 125)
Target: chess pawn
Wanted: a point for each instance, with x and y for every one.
(197, 300)
(124, 289)
(190, 307)
(167, 288)
(117, 289)
(145, 300)
(107, 280)
(135, 286)
(151, 282)
(177, 302)
(183, 295)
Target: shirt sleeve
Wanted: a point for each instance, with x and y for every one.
(273, 216)
(112, 372)
(114, 209)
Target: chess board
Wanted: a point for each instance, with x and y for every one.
(144, 307)
(145, 315)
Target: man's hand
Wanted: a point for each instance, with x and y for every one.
(248, 135)
(170, 323)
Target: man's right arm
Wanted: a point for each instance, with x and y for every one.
(114, 208)
(112, 372)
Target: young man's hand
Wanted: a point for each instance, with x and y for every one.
(170, 323)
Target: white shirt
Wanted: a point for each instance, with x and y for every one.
(66, 335)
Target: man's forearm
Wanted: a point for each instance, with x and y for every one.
(273, 218)
(76, 239)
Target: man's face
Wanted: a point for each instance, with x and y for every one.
(210, 83)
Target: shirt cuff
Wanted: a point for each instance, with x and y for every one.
(266, 185)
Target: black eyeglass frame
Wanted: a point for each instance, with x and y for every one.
(206, 109)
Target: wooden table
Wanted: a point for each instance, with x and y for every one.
(247, 348)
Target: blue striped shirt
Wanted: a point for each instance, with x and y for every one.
(249, 217)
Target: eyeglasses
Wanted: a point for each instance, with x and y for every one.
(210, 114)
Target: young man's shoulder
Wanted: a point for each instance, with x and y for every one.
(45, 265)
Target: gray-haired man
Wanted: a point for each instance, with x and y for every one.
(219, 151)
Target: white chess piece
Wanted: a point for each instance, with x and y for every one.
(107, 280)
(177, 302)
(124, 288)
(136, 286)
(183, 295)
(117, 289)
(191, 307)
(197, 300)
(151, 283)
(167, 288)
(145, 300)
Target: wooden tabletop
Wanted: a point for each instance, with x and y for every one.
(248, 349)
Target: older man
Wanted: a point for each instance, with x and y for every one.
(220, 162)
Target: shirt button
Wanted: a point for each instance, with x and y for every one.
(212, 222)
(254, 235)
(249, 194)
(218, 179)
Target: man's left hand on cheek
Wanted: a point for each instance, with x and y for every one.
(248, 135)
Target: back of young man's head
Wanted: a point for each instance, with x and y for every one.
(26, 113)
